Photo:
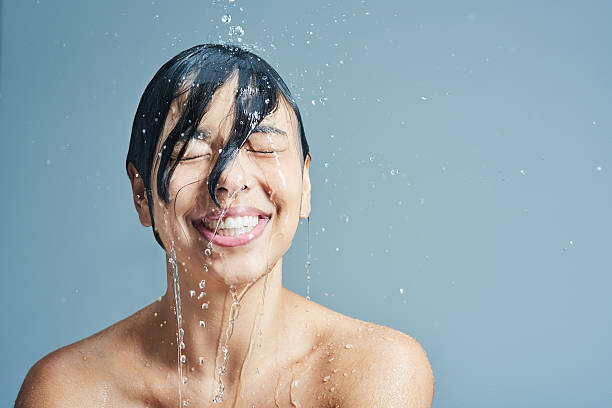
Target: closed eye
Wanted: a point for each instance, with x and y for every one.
(267, 141)
(261, 151)
(181, 159)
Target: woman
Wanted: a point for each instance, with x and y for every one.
(219, 167)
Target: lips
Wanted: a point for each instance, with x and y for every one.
(239, 225)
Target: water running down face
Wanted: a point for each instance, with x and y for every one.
(265, 190)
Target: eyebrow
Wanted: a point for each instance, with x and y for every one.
(269, 129)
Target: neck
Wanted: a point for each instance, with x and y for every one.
(227, 331)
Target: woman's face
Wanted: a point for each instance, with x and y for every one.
(263, 189)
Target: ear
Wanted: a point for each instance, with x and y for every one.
(140, 196)
(305, 205)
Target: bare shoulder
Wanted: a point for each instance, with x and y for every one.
(60, 379)
(81, 374)
(392, 370)
(369, 365)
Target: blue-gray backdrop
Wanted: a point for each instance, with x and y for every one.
(461, 177)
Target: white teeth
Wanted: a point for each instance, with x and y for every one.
(232, 232)
(233, 226)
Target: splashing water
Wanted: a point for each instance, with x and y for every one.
(263, 302)
(308, 257)
(209, 246)
(180, 333)
(236, 31)
(234, 310)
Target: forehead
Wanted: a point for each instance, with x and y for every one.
(219, 115)
(219, 118)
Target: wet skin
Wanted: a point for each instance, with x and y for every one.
(284, 351)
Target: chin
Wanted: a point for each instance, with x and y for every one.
(237, 272)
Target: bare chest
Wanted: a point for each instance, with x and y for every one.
(295, 386)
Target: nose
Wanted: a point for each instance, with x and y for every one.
(234, 180)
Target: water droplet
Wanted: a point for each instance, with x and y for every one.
(184, 380)
(183, 359)
(522, 172)
(181, 332)
(571, 243)
(205, 305)
(348, 346)
(202, 284)
(267, 101)
(182, 345)
(201, 295)
(226, 18)
(192, 293)
(326, 378)
(207, 252)
(202, 323)
(598, 168)
(201, 359)
(401, 291)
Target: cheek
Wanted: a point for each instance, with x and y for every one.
(186, 187)
(283, 181)
(287, 202)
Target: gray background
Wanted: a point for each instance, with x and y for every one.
(461, 153)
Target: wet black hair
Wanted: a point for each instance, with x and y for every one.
(196, 74)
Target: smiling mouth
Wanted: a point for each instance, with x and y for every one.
(232, 230)
(232, 226)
